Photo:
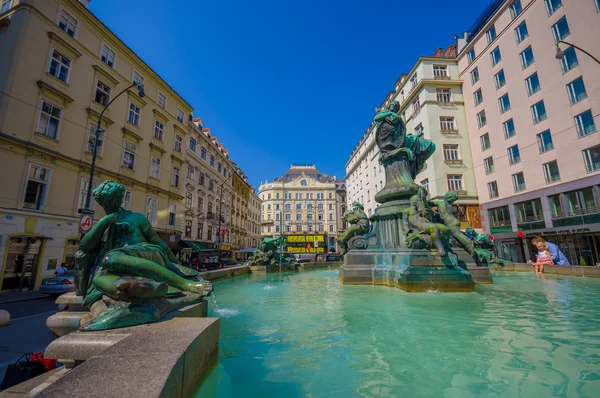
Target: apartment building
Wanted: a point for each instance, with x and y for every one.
(532, 98)
(432, 104)
(303, 201)
(60, 67)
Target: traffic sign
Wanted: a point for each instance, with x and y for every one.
(85, 223)
(86, 211)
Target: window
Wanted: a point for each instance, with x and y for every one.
(155, 167)
(518, 182)
(159, 130)
(447, 123)
(298, 206)
(544, 140)
(488, 163)
(500, 79)
(500, 216)
(102, 93)
(175, 176)
(129, 156)
(576, 90)
(585, 123)
(538, 112)
(211, 185)
(495, 56)
(137, 78)
(529, 211)
(451, 152)
(493, 189)
(220, 167)
(5, 5)
(569, 61)
(288, 216)
(491, 34)
(484, 140)
(288, 206)
(36, 187)
(151, 211)
(84, 190)
(298, 217)
(454, 182)
(67, 23)
(188, 228)
(203, 153)
(288, 228)
(521, 32)
(515, 9)
(580, 202)
(481, 119)
(59, 66)
(127, 200)
(191, 174)
(509, 128)
(474, 75)
(443, 95)
(134, 114)
(591, 156)
(320, 217)
(192, 144)
(178, 143)
(212, 161)
(49, 122)
(330, 216)
(552, 6)
(551, 173)
(533, 84)
(108, 56)
(440, 71)
(180, 115)
(268, 207)
(425, 184)
(478, 97)
(561, 30)
(172, 215)
(92, 140)
(201, 178)
(514, 156)
(330, 227)
(414, 80)
(504, 103)
(471, 55)
(209, 233)
(416, 106)
(189, 197)
(526, 58)
(298, 228)
(309, 217)
(200, 203)
(161, 100)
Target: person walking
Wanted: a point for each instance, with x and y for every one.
(558, 256)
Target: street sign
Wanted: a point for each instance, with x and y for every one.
(86, 211)
(85, 223)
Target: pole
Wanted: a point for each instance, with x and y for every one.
(580, 49)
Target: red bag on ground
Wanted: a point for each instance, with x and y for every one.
(48, 364)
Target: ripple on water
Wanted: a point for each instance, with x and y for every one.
(311, 336)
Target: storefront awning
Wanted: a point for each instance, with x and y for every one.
(247, 250)
(196, 246)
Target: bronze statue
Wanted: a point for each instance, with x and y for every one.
(483, 248)
(136, 271)
(269, 255)
(403, 155)
(446, 213)
(359, 225)
(417, 221)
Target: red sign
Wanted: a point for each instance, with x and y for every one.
(308, 246)
(520, 234)
(85, 223)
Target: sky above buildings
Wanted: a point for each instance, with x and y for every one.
(285, 82)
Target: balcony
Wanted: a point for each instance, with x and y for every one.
(441, 77)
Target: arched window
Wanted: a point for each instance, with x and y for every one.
(303, 183)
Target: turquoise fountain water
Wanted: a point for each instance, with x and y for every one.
(307, 335)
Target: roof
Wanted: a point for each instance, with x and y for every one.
(485, 16)
(296, 171)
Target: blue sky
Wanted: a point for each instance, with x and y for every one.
(285, 82)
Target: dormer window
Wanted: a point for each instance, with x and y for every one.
(303, 183)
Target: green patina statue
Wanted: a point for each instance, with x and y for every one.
(446, 213)
(268, 253)
(483, 248)
(417, 223)
(403, 155)
(131, 269)
(359, 225)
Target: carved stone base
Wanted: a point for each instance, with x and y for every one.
(409, 270)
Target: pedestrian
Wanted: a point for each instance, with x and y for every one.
(62, 269)
(543, 258)
(558, 256)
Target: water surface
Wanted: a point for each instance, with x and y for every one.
(307, 335)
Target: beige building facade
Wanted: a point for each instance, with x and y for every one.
(60, 67)
(431, 103)
(533, 123)
(303, 202)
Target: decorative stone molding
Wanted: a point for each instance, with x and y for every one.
(50, 91)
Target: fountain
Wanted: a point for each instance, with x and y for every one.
(406, 243)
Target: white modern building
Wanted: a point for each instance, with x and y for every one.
(431, 102)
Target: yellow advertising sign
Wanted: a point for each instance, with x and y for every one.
(299, 250)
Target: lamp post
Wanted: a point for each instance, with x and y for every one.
(88, 197)
(560, 54)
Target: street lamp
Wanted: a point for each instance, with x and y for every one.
(560, 54)
(88, 197)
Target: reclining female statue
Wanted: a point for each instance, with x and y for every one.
(132, 263)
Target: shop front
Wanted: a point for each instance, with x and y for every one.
(22, 262)
(226, 251)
